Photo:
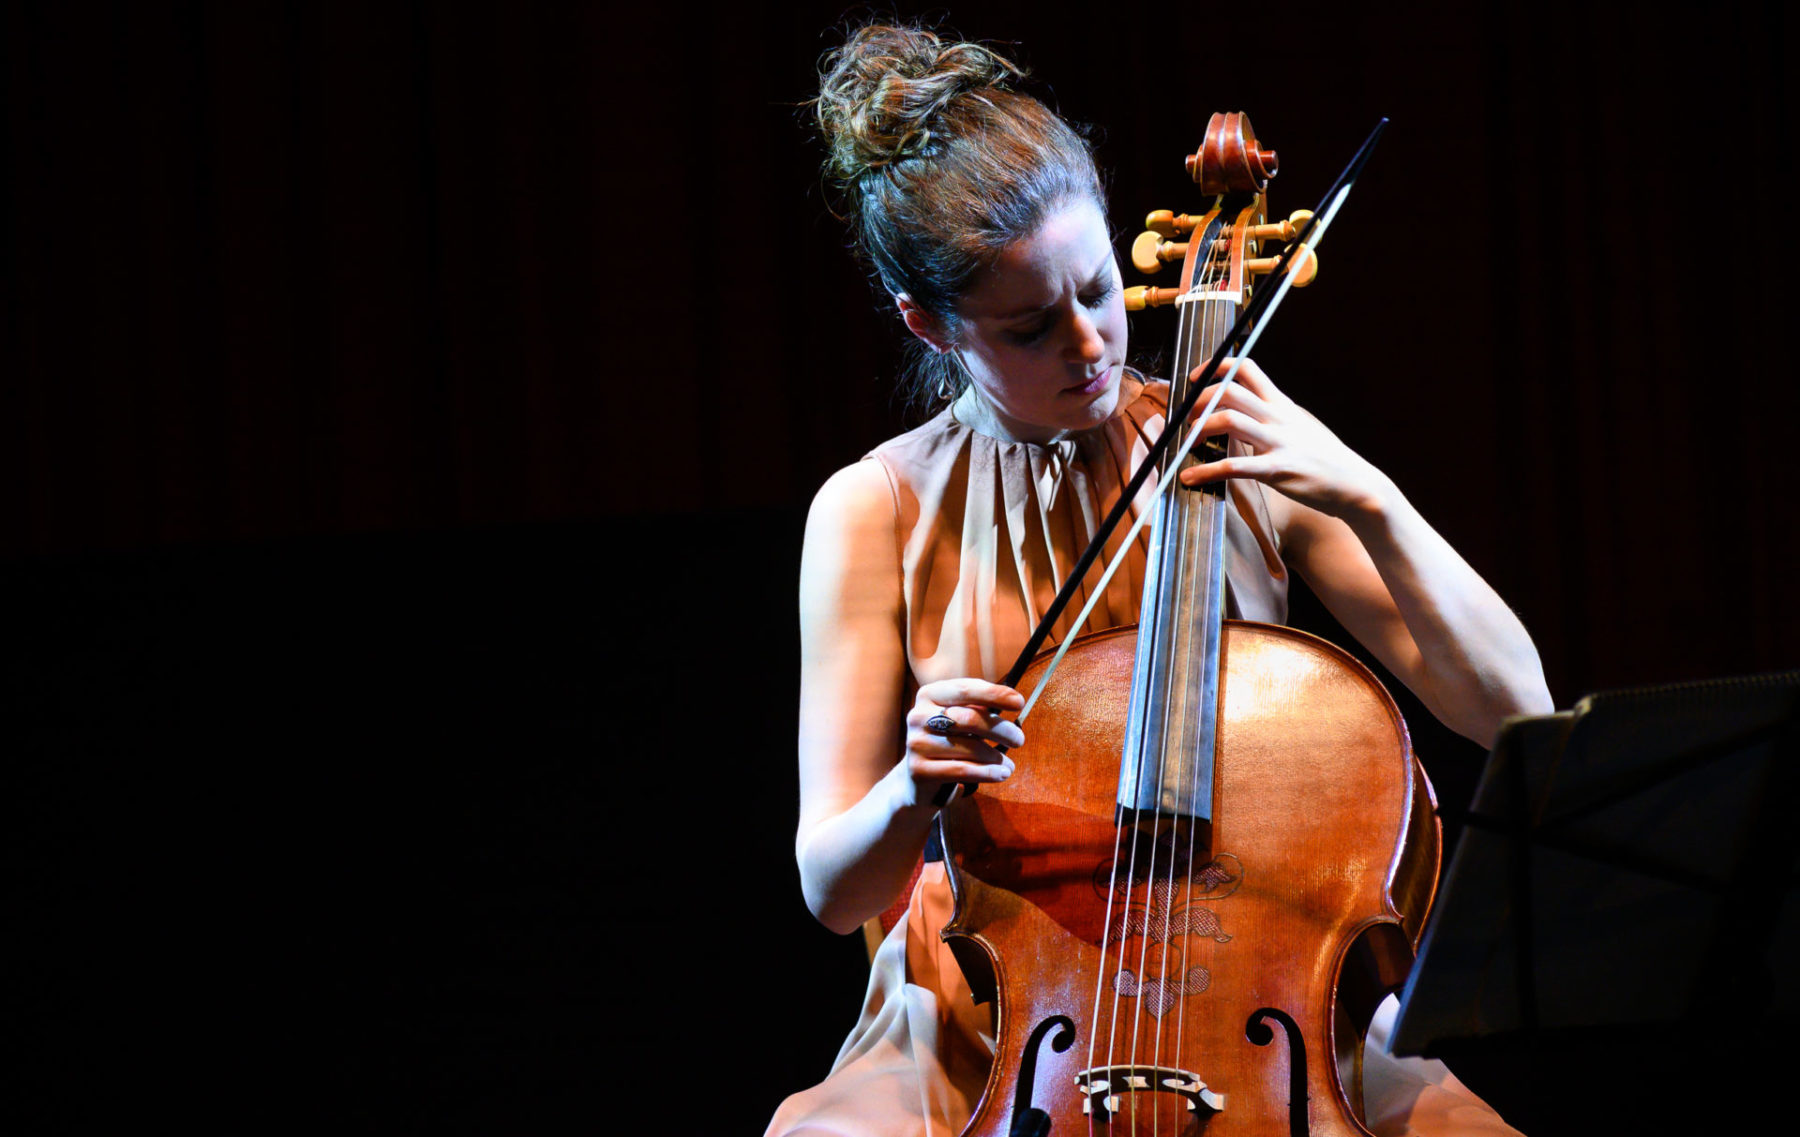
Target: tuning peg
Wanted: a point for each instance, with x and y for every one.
(1305, 268)
(1282, 230)
(1142, 296)
(1166, 223)
(1150, 252)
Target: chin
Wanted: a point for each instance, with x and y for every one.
(1105, 404)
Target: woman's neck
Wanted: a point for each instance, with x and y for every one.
(974, 411)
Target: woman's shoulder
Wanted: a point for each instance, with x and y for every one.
(857, 495)
(850, 553)
(1142, 396)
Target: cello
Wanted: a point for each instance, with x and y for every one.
(1216, 854)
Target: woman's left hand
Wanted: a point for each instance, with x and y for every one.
(1292, 451)
(1386, 574)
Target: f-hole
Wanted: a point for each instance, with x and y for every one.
(1257, 1030)
(1027, 1119)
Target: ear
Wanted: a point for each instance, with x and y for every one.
(922, 324)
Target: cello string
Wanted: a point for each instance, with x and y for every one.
(1165, 651)
(1197, 548)
(1217, 313)
(1184, 334)
(1172, 648)
(1112, 891)
(1196, 510)
(1175, 703)
(1164, 666)
(1205, 310)
(1168, 663)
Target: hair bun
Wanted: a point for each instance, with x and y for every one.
(880, 93)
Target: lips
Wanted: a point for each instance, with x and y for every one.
(1092, 386)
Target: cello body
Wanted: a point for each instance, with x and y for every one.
(1303, 896)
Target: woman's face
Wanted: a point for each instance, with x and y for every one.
(1042, 333)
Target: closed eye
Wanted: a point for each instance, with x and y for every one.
(1030, 334)
(1096, 296)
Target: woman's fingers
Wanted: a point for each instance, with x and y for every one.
(954, 728)
(1240, 398)
(1289, 449)
(1249, 376)
(1242, 426)
(965, 722)
(1251, 391)
(948, 730)
(971, 693)
(978, 745)
(1253, 466)
(955, 758)
(1255, 378)
(966, 708)
(930, 770)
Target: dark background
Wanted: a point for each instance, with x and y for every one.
(408, 414)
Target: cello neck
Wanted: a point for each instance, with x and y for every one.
(1171, 731)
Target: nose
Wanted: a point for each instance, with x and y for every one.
(1085, 344)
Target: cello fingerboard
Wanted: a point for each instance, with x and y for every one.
(1166, 767)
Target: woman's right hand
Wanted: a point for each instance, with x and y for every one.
(964, 751)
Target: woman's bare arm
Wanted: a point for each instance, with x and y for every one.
(1386, 574)
(1399, 588)
(868, 774)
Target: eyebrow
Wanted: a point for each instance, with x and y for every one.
(1020, 313)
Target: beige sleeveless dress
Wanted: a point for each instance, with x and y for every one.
(987, 532)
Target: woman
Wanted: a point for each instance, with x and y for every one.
(926, 564)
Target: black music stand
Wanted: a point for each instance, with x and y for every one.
(1626, 864)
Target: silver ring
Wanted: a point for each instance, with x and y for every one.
(940, 724)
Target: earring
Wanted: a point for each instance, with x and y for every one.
(950, 382)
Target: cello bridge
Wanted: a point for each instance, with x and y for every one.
(1102, 1086)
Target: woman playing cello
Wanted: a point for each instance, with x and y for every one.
(927, 563)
